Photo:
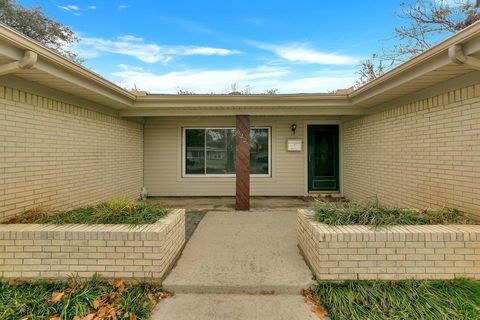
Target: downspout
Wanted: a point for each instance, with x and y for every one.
(457, 56)
(28, 61)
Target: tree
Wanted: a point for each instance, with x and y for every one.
(235, 90)
(184, 92)
(271, 91)
(426, 22)
(370, 69)
(34, 24)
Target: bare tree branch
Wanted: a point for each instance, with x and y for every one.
(426, 22)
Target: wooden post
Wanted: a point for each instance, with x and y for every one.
(242, 201)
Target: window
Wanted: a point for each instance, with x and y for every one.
(212, 151)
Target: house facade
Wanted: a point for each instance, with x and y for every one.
(69, 137)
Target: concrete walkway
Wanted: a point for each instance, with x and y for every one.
(248, 252)
(240, 265)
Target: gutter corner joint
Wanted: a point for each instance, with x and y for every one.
(28, 60)
(458, 56)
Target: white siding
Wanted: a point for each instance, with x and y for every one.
(163, 158)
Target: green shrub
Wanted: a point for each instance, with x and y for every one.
(110, 212)
(375, 214)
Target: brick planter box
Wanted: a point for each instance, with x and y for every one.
(58, 251)
(398, 252)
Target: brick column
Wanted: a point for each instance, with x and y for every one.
(242, 201)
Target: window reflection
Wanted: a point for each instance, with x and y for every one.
(212, 151)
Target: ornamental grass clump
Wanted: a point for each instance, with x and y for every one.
(109, 212)
(406, 299)
(373, 213)
(76, 299)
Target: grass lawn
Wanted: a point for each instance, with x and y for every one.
(407, 299)
(75, 299)
(109, 212)
(375, 214)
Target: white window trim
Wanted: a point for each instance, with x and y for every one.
(227, 175)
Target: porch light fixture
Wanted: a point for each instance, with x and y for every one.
(294, 128)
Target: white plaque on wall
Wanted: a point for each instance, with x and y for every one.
(294, 145)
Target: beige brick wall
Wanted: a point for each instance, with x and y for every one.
(60, 155)
(49, 251)
(400, 252)
(423, 154)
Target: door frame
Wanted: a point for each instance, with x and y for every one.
(340, 154)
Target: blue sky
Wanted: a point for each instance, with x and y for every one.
(205, 46)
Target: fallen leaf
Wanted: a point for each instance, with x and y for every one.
(77, 318)
(26, 317)
(57, 296)
(111, 297)
(320, 311)
(154, 304)
(316, 306)
(16, 282)
(164, 295)
(56, 318)
(133, 317)
(97, 302)
(117, 283)
(113, 313)
(89, 316)
(102, 312)
(72, 283)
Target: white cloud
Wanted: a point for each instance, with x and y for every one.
(122, 7)
(136, 47)
(301, 53)
(204, 51)
(92, 7)
(69, 7)
(218, 81)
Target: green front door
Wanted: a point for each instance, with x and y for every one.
(323, 169)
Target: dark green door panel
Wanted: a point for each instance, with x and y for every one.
(323, 158)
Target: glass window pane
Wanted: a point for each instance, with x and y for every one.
(195, 151)
(324, 148)
(220, 147)
(259, 151)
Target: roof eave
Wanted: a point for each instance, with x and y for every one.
(285, 100)
(429, 60)
(14, 44)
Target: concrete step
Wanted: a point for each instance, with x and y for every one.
(257, 288)
(242, 253)
(233, 307)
